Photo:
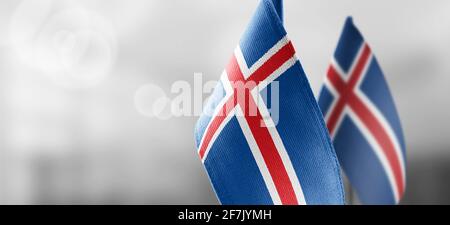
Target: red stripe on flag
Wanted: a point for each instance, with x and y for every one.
(382, 138)
(275, 62)
(214, 126)
(263, 138)
(347, 96)
(345, 89)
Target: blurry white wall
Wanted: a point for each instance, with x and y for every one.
(70, 72)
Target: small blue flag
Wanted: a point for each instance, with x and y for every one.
(363, 122)
(262, 138)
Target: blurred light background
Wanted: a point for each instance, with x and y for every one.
(76, 79)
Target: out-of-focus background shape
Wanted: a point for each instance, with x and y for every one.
(76, 78)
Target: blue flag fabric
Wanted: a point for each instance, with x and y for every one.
(262, 138)
(363, 122)
(278, 4)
